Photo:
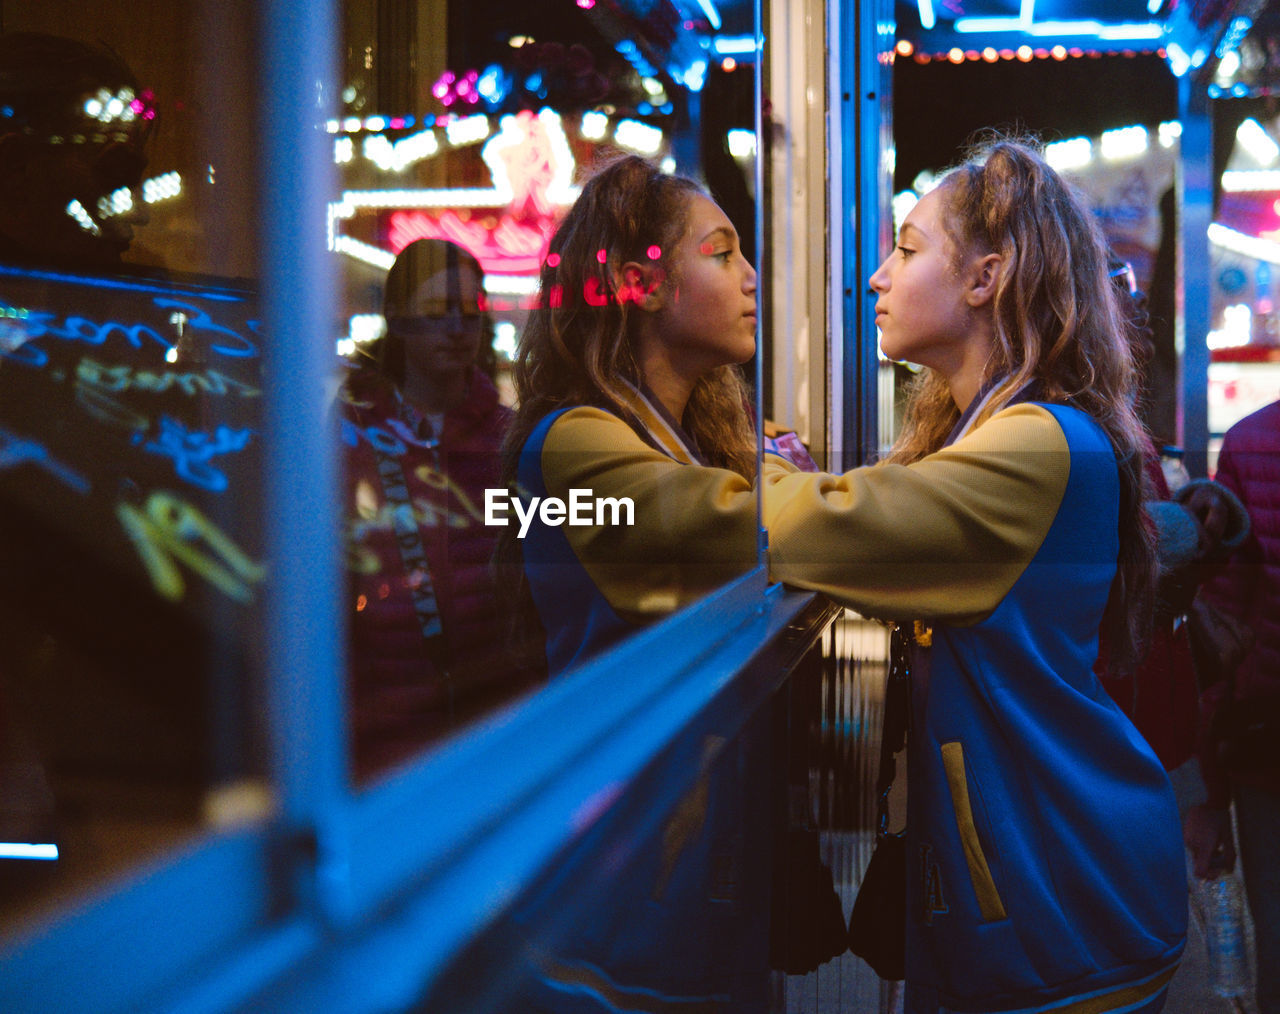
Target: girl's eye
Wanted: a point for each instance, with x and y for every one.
(726, 255)
(905, 252)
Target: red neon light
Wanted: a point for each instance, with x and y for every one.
(513, 241)
(592, 294)
(449, 87)
(510, 241)
(502, 244)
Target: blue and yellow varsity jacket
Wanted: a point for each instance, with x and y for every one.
(695, 527)
(1046, 858)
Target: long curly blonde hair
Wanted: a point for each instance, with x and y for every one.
(1058, 325)
(578, 345)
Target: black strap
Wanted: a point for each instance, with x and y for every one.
(897, 713)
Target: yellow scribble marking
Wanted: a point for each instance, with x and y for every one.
(169, 531)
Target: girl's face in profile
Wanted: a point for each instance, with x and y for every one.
(708, 313)
(922, 311)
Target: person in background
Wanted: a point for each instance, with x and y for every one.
(1196, 524)
(422, 425)
(1247, 587)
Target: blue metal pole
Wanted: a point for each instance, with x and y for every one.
(757, 14)
(303, 621)
(867, 35)
(1195, 214)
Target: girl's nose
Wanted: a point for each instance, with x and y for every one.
(879, 281)
(749, 280)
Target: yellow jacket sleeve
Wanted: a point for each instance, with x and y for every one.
(694, 527)
(943, 538)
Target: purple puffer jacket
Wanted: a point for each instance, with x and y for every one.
(1249, 585)
(406, 691)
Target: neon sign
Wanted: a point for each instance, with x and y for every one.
(531, 166)
(507, 246)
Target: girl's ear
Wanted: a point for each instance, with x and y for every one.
(984, 276)
(641, 284)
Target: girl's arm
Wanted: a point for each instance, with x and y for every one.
(694, 528)
(943, 538)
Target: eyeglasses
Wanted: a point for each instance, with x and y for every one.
(426, 324)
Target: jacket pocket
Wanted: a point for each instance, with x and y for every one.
(984, 886)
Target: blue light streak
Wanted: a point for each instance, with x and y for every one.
(1233, 36)
(733, 45)
(1128, 30)
(118, 283)
(26, 850)
(974, 25)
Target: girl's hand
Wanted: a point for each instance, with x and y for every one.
(1206, 830)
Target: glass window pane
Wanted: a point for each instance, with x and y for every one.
(130, 381)
(129, 471)
(464, 139)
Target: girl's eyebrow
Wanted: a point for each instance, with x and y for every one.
(909, 225)
(724, 231)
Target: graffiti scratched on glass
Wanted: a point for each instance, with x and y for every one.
(165, 377)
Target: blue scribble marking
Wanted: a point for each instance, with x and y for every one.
(16, 450)
(206, 291)
(40, 324)
(192, 449)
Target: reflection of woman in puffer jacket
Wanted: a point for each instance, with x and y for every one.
(422, 430)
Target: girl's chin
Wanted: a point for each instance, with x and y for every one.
(889, 349)
(897, 354)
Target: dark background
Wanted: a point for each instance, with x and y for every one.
(938, 105)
